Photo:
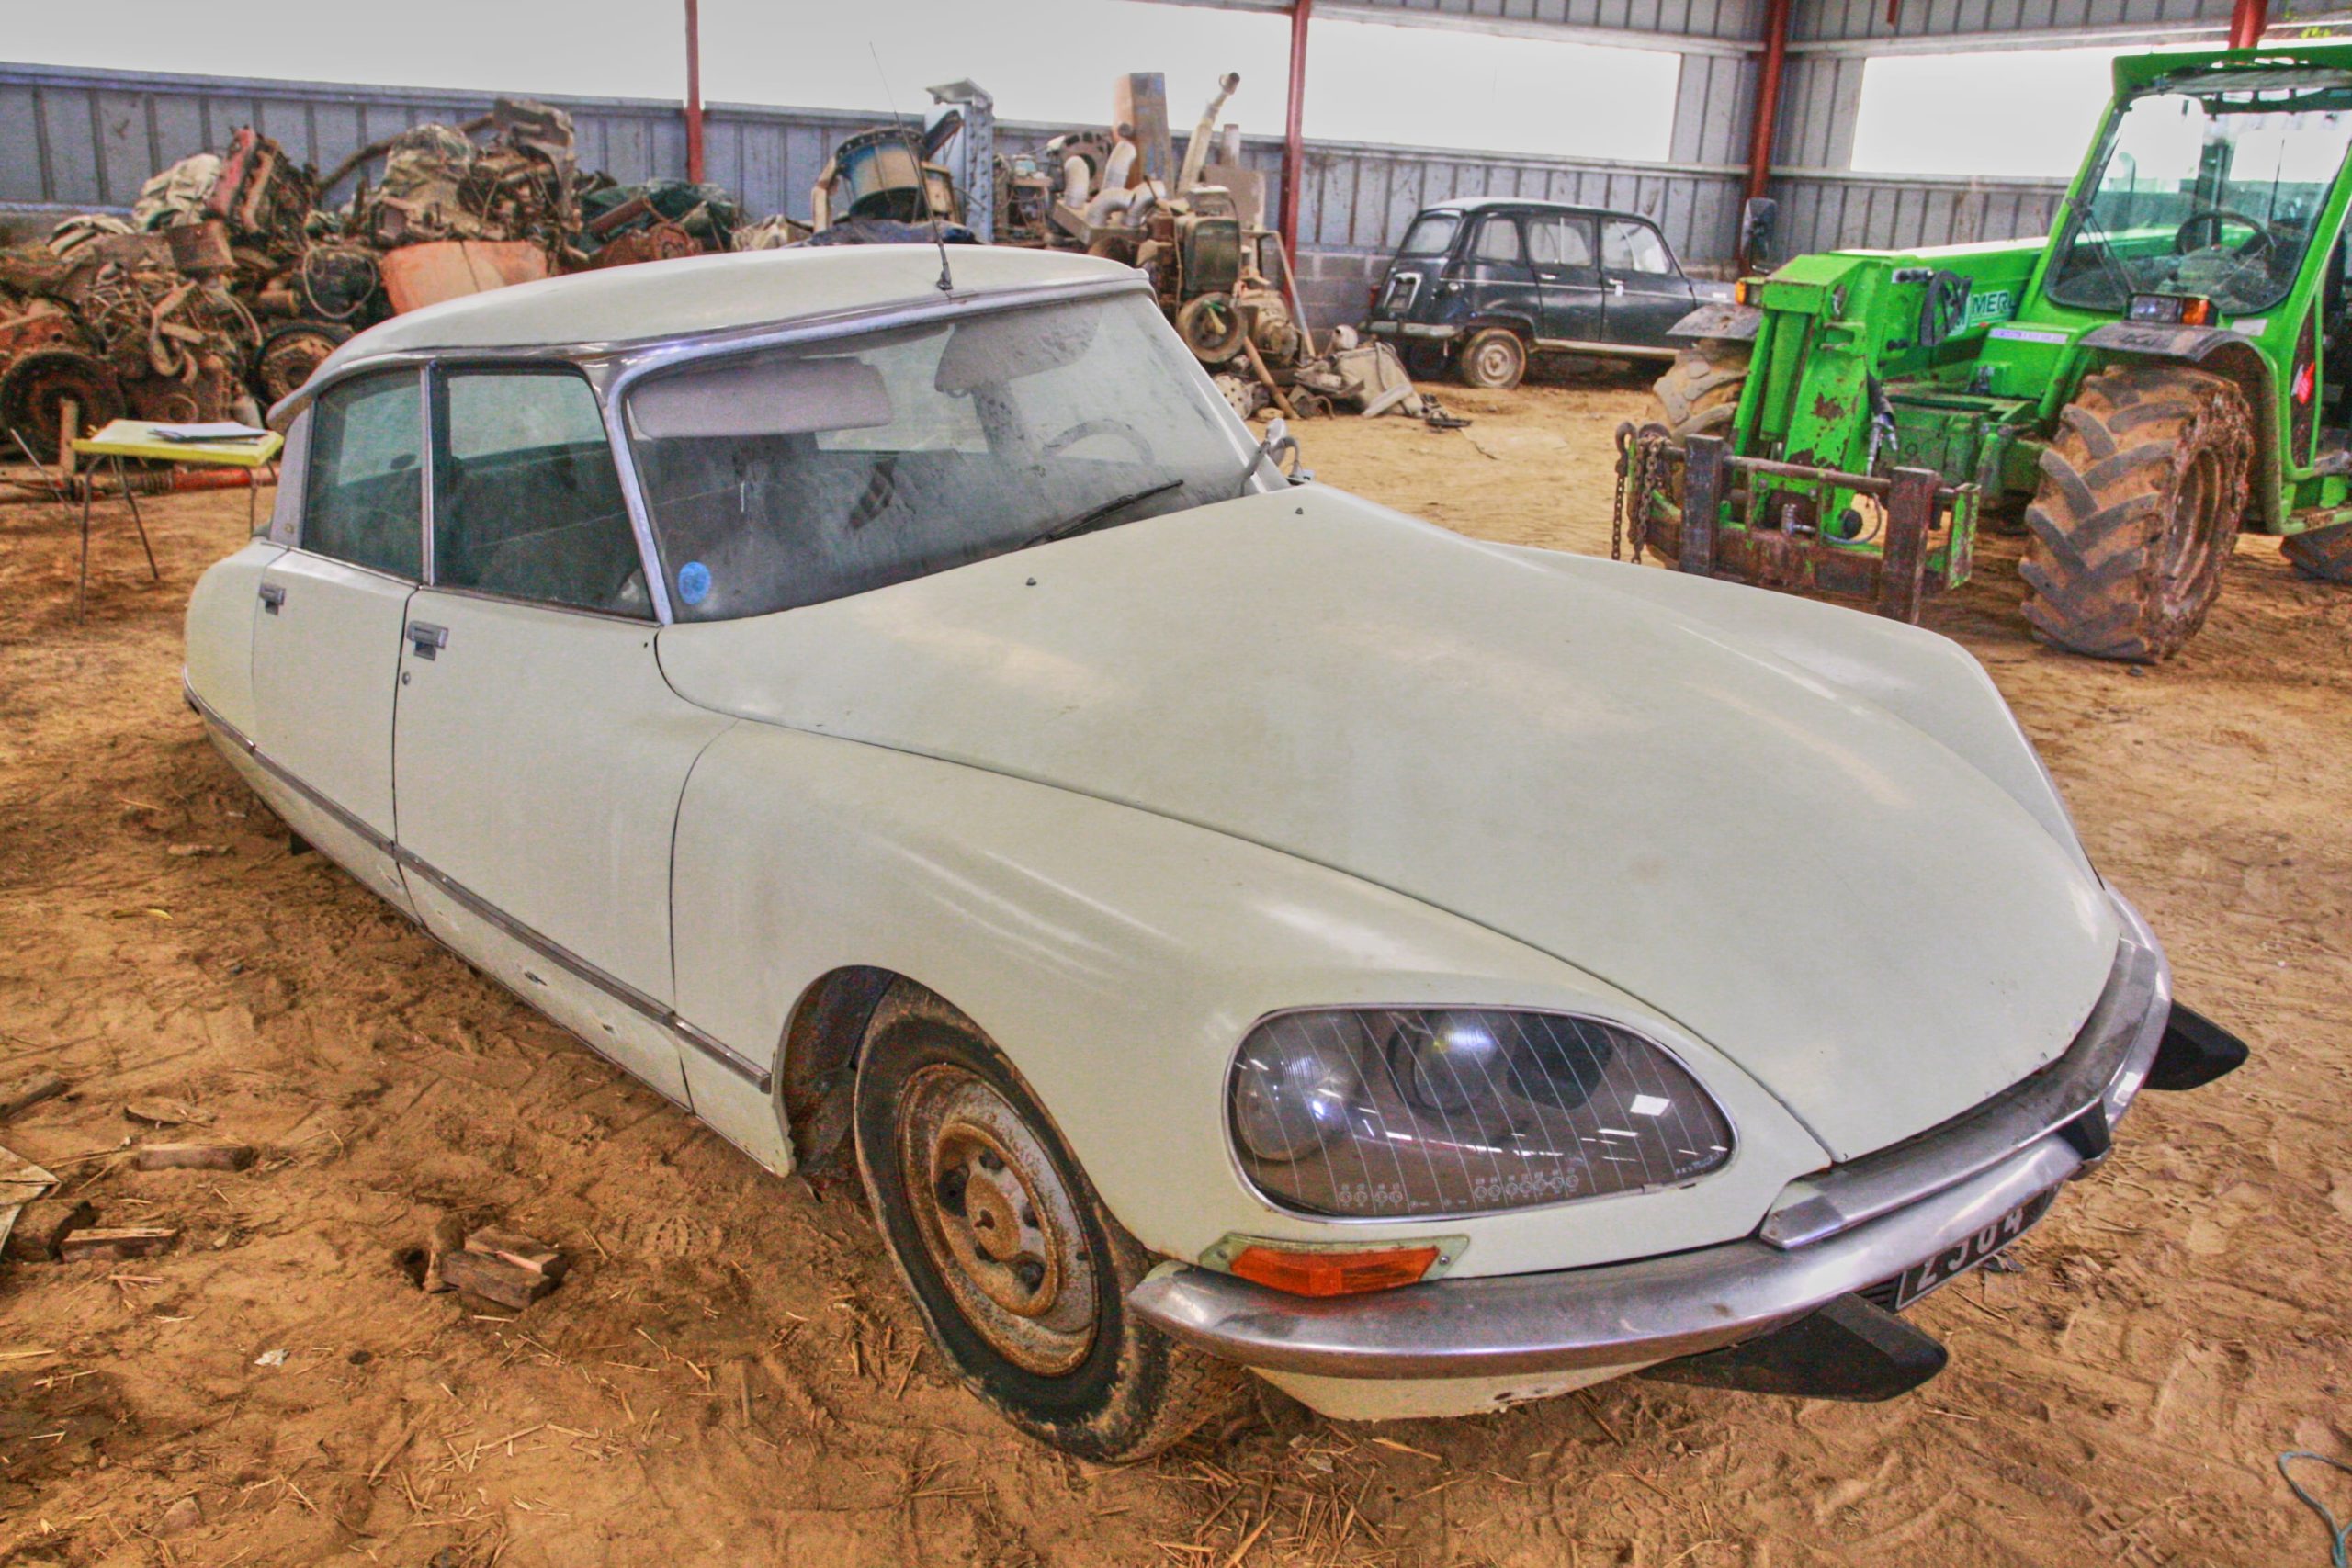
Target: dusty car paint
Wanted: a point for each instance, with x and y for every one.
(1119, 796)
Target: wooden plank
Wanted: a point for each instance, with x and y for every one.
(493, 1278)
(113, 1244)
(27, 1091)
(214, 1155)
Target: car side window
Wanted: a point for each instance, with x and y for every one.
(363, 492)
(527, 502)
(1560, 242)
(1497, 241)
(1628, 246)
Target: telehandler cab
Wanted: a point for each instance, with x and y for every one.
(2172, 365)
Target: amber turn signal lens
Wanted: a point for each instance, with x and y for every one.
(2198, 313)
(1334, 1273)
(1739, 292)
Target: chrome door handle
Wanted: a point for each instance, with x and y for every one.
(425, 640)
(1615, 286)
(272, 596)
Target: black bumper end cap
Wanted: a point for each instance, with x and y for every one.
(1849, 1349)
(2195, 1051)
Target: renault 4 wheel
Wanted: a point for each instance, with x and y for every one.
(1020, 1273)
(1494, 358)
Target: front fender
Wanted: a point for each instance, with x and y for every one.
(2225, 353)
(1923, 678)
(1117, 958)
(1734, 324)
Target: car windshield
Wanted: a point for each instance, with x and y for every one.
(1430, 235)
(2208, 191)
(791, 476)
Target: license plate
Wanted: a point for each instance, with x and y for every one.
(1967, 1253)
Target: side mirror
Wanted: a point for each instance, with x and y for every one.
(1757, 220)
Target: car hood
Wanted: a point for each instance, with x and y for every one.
(1838, 902)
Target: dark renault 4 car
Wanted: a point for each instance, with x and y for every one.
(1481, 285)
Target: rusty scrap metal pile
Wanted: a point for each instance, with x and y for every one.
(230, 281)
(1197, 229)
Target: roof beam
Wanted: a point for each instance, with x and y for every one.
(1391, 16)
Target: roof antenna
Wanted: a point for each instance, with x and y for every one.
(923, 174)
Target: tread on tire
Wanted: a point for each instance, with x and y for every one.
(2137, 512)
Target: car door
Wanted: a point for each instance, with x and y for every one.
(1567, 274)
(327, 638)
(540, 755)
(1494, 273)
(1648, 293)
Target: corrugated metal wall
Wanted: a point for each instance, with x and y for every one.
(74, 139)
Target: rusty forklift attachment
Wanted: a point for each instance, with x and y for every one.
(1729, 524)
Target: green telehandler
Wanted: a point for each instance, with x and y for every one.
(2173, 364)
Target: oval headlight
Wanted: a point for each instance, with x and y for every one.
(1450, 1112)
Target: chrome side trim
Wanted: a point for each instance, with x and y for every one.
(580, 969)
(2102, 1069)
(1606, 350)
(760, 1078)
(1622, 1314)
(277, 771)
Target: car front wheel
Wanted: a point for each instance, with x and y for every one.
(1020, 1273)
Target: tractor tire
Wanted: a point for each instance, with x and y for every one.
(2137, 511)
(2324, 553)
(1699, 392)
(1494, 359)
(36, 386)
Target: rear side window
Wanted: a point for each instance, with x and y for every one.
(1560, 242)
(1628, 246)
(526, 503)
(1497, 240)
(363, 496)
(1430, 235)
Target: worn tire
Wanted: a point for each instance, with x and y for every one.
(1494, 358)
(2324, 553)
(1698, 394)
(1099, 1383)
(2138, 508)
(36, 386)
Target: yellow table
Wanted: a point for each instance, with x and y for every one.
(137, 438)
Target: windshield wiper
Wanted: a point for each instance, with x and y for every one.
(1085, 520)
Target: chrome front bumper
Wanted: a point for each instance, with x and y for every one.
(1828, 1235)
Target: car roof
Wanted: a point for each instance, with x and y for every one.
(1521, 203)
(701, 296)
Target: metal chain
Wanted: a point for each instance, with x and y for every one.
(1642, 459)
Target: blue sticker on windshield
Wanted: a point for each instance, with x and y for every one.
(693, 582)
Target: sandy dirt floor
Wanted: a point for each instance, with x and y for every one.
(729, 1375)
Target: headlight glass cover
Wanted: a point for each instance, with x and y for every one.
(1430, 1113)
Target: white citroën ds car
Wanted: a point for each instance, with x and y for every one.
(1233, 925)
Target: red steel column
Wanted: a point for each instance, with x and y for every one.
(1768, 96)
(2247, 22)
(694, 91)
(1294, 127)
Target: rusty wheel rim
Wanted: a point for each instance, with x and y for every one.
(998, 1226)
(1494, 361)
